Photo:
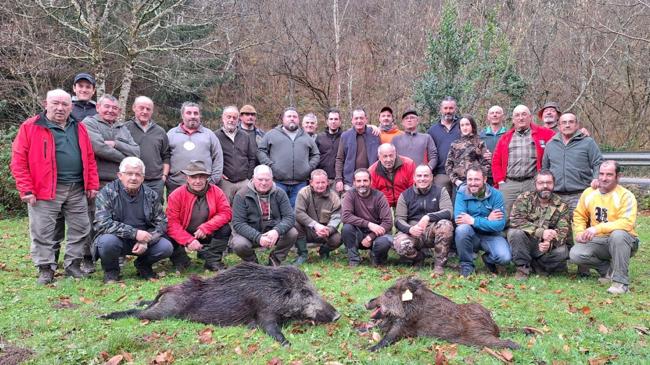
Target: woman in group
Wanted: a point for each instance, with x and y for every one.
(465, 152)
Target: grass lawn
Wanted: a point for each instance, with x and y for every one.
(575, 321)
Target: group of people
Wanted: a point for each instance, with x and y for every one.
(534, 195)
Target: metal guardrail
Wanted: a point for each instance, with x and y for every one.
(629, 158)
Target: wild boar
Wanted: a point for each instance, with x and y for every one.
(245, 294)
(409, 309)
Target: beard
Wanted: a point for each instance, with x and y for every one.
(363, 191)
(544, 194)
(291, 127)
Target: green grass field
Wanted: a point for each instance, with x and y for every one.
(574, 321)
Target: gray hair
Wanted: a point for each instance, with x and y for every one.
(260, 169)
(317, 172)
(230, 108)
(106, 97)
(310, 116)
(57, 92)
(189, 104)
(392, 146)
(132, 162)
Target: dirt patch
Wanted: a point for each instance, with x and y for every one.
(12, 355)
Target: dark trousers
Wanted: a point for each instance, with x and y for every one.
(214, 246)
(525, 252)
(110, 247)
(352, 237)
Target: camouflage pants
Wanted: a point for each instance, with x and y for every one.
(437, 236)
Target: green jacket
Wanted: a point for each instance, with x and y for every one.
(528, 215)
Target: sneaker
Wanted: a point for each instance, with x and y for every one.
(618, 288)
(489, 266)
(111, 277)
(145, 271)
(45, 275)
(214, 266)
(522, 273)
(74, 270)
(88, 265)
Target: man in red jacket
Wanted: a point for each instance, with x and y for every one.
(392, 173)
(518, 156)
(197, 219)
(54, 167)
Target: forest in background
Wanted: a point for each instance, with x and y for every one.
(591, 56)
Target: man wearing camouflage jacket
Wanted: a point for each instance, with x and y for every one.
(539, 226)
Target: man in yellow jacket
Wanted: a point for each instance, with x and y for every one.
(603, 224)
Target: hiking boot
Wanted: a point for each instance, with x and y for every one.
(300, 259)
(88, 265)
(214, 266)
(74, 270)
(180, 265)
(466, 272)
(45, 275)
(145, 271)
(618, 288)
(324, 252)
(522, 273)
(491, 267)
(111, 277)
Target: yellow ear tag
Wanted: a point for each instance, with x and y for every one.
(407, 296)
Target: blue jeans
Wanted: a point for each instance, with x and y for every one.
(291, 190)
(469, 241)
(110, 248)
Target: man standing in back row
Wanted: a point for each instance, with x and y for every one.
(446, 131)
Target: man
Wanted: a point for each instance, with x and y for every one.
(492, 133)
(191, 141)
(518, 156)
(153, 142)
(573, 158)
(539, 227)
(111, 139)
(309, 124)
(367, 221)
(387, 125)
(248, 118)
(239, 153)
(82, 104)
(328, 143)
(391, 174)
(419, 147)
(263, 217)
(290, 153)
(356, 150)
(318, 214)
(198, 215)
(443, 134)
(549, 114)
(54, 167)
(423, 218)
(603, 224)
(480, 219)
(130, 221)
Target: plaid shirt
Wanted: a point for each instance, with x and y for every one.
(522, 160)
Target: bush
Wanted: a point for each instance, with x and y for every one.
(10, 204)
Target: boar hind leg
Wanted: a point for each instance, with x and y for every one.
(169, 304)
(122, 314)
(393, 334)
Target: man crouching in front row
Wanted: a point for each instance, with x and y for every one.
(129, 220)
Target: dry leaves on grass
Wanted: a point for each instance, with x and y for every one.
(163, 358)
(602, 329)
(64, 303)
(503, 355)
(205, 336)
(85, 300)
(115, 360)
(601, 360)
(445, 352)
(274, 361)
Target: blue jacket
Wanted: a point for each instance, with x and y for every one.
(481, 208)
(349, 141)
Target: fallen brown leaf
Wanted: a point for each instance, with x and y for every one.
(65, 303)
(509, 286)
(296, 362)
(496, 355)
(482, 290)
(317, 274)
(104, 355)
(238, 350)
(441, 359)
(642, 330)
(507, 354)
(252, 348)
(532, 331)
(559, 291)
(332, 363)
(274, 361)
(483, 283)
(376, 336)
(601, 360)
(85, 300)
(559, 362)
(115, 360)
(602, 329)
(205, 336)
(386, 277)
(585, 310)
(572, 309)
(450, 350)
(144, 322)
(163, 358)
(127, 356)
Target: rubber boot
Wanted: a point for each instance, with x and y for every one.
(301, 246)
